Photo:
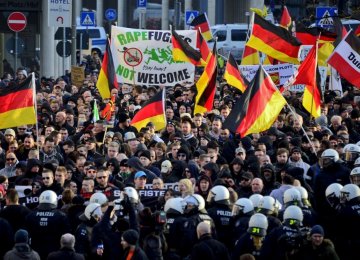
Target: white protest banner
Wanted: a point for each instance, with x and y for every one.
(144, 57)
(279, 73)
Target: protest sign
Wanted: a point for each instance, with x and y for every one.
(144, 57)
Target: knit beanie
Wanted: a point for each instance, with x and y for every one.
(317, 229)
(131, 236)
(21, 236)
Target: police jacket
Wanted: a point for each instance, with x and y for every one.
(221, 214)
(46, 226)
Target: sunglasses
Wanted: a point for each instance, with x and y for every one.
(181, 155)
(22, 129)
(10, 159)
(46, 178)
(101, 177)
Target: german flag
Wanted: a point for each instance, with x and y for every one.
(206, 86)
(257, 108)
(250, 56)
(17, 104)
(309, 36)
(274, 41)
(233, 76)
(182, 51)
(152, 111)
(109, 108)
(107, 78)
(307, 75)
(202, 45)
(201, 22)
(285, 20)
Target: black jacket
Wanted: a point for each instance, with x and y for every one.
(65, 253)
(209, 249)
(15, 215)
(139, 254)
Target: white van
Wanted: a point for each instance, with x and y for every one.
(97, 37)
(230, 38)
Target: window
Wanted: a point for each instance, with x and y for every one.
(221, 36)
(238, 35)
(93, 33)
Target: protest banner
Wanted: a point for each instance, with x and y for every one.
(144, 57)
(77, 76)
(279, 73)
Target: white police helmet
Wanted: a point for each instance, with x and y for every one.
(175, 205)
(219, 194)
(93, 210)
(255, 199)
(328, 157)
(201, 201)
(292, 195)
(332, 194)
(258, 225)
(355, 176)
(99, 198)
(132, 194)
(304, 195)
(243, 206)
(293, 214)
(48, 197)
(267, 205)
(351, 152)
(349, 192)
(357, 162)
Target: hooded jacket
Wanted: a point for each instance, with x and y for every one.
(22, 251)
(30, 176)
(134, 162)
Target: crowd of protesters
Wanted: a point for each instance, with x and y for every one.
(71, 187)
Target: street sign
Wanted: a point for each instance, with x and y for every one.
(59, 13)
(60, 49)
(190, 15)
(110, 14)
(324, 16)
(59, 34)
(17, 21)
(87, 19)
(141, 3)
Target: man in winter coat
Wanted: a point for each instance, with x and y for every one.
(207, 247)
(67, 250)
(22, 249)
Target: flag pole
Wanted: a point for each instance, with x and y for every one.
(36, 112)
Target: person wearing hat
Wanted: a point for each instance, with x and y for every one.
(10, 135)
(145, 158)
(268, 177)
(123, 125)
(140, 180)
(318, 247)
(129, 242)
(92, 154)
(296, 160)
(244, 188)
(22, 249)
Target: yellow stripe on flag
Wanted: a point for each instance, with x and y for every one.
(103, 85)
(158, 121)
(16, 117)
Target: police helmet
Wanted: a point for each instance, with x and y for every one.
(304, 195)
(243, 206)
(355, 176)
(332, 194)
(357, 162)
(293, 196)
(258, 225)
(175, 205)
(99, 198)
(293, 214)
(132, 194)
(201, 201)
(267, 205)
(48, 197)
(349, 192)
(351, 152)
(255, 199)
(328, 157)
(219, 194)
(93, 210)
